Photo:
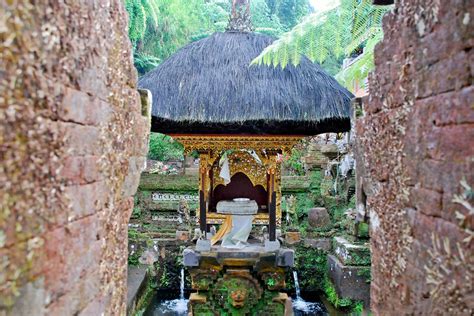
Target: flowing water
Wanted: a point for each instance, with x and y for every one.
(302, 307)
(177, 307)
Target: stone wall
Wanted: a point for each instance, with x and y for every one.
(415, 151)
(72, 136)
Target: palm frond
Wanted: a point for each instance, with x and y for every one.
(360, 68)
(304, 39)
(335, 32)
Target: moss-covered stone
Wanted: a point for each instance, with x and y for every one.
(154, 181)
(290, 184)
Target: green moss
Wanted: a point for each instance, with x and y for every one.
(290, 184)
(136, 213)
(164, 280)
(355, 307)
(153, 181)
(133, 259)
(363, 230)
(311, 265)
(293, 162)
(366, 273)
(315, 185)
(145, 299)
(136, 235)
(271, 282)
(361, 258)
(332, 296)
(358, 308)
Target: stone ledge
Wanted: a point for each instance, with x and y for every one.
(136, 281)
(350, 253)
(349, 281)
(324, 244)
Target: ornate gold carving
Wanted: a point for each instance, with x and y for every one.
(211, 147)
(241, 161)
(260, 218)
(224, 142)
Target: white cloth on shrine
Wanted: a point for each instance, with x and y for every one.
(242, 211)
(254, 155)
(225, 171)
(237, 237)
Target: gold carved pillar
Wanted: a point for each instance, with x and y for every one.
(203, 189)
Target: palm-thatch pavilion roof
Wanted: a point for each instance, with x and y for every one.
(209, 87)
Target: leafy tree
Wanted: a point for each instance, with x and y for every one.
(362, 65)
(141, 14)
(164, 148)
(289, 12)
(144, 62)
(263, 20)
(157, 28)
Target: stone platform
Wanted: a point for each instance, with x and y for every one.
(239, 281)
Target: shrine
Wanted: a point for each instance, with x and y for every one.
(240, 119)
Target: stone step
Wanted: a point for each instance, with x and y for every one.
(350, 281)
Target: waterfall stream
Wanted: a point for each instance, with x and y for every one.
(176, 307)
(180, 306)
(297, 285)
(300, 306)
(181, 285)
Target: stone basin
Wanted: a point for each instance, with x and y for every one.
(237, 207)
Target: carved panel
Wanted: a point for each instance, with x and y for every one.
(242, 161)
(224, 142)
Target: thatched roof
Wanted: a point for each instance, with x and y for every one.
(209, 87)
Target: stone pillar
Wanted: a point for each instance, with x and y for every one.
(415, 149)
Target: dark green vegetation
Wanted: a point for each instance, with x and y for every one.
(164, 148)
(312, 268)
(309, 192)
(293, 162)
(158, 28)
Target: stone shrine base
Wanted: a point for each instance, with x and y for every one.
(239, 281)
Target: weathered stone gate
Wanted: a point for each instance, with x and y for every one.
(415, 153)
(72, 137)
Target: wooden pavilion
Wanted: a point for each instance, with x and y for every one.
(210, 98)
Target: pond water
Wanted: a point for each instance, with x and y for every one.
(176, 307)
(167, 304)
(305, 306)
(162, 305)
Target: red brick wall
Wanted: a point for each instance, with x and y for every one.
(415, 144)
(72, 138)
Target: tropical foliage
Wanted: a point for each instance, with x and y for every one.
(164, 148)
(288, 12)
(336, 32)
(158, 28)
(142, 13)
